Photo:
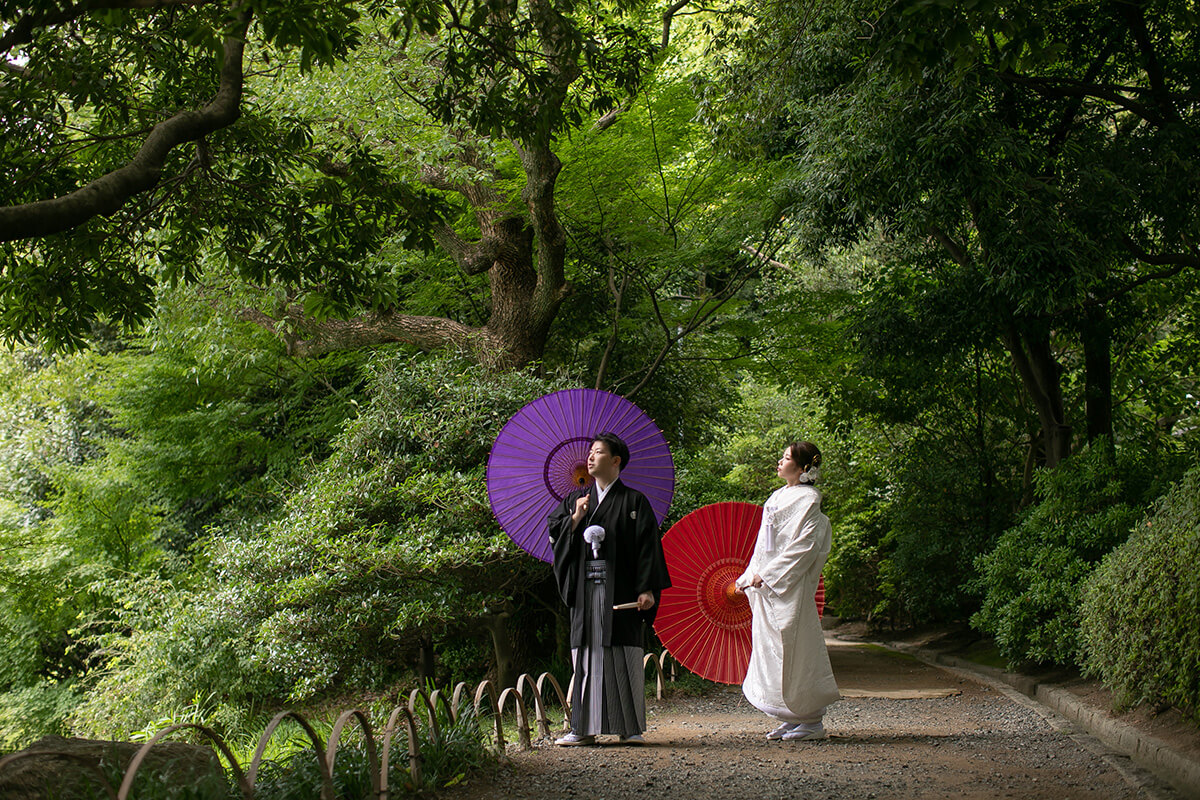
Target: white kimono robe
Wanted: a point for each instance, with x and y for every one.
(789, 677)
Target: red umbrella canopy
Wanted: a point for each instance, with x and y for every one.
(702, 621)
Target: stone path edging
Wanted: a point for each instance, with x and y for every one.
(1147, 751)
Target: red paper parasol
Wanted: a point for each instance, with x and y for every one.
(541, 454)
(702, 621)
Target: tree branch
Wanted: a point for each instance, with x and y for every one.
(952, 247)
(106, 194)
(499, 228)
(306, 338)
(23, 29)
(1059, 135)
(766, 259)
(16, 69)
(1181, 260)
(1136, 20)
(1175, 263)
(1015, 345)
(1061, 88)
(703, 313)
(668, 15)
(618, 294)
(473, 258)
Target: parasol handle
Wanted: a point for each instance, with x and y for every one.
(625, 606)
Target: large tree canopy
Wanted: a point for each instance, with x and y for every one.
(134, 146)
(1039, 163)
(150, 147)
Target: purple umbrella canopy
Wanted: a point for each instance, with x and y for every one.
(540, 455)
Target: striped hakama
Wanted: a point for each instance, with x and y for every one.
(609, 685)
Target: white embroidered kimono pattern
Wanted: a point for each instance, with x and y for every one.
(789, 676)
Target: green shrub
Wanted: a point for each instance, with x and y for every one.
(852, 571)
(30, 712)
(111, 466)
(1141, 607)
(387, 544)
(1031, 581)
(183, 656)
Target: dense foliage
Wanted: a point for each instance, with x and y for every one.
(1019, 273)
(385, 547)
(1140, 606)
(117, 463)
(1031, 582)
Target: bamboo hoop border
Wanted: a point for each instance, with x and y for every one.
(525, 693)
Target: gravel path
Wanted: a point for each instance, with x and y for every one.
(890, 737)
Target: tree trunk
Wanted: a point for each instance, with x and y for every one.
(519, 322)
(1041, 375)
(425, 661)
(506, 672)
(522, 255)
(986, 473)
(523, 306)
(1097, 359)
(1031, 459)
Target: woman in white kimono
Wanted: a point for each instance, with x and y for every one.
(789, 677)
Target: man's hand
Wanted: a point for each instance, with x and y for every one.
(645, 601)
(581, 507)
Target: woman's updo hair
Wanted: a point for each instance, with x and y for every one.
(805, 454)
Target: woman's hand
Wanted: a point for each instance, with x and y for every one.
(756, 582)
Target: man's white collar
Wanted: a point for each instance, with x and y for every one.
(602, 493)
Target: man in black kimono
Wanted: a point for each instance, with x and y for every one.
(607, 552)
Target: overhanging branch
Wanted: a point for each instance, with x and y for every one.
(1064, 88)
(668, 16)
(22, 31)
(308, 338)
(106, 194)
(1174, 264)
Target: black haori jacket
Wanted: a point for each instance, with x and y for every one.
(633, 552)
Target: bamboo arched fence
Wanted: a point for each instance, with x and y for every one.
(527, 695)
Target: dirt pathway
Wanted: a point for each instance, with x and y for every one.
(903, 730)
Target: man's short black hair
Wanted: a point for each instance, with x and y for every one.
(616, 447)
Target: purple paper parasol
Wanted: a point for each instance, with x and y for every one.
(540, 456)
